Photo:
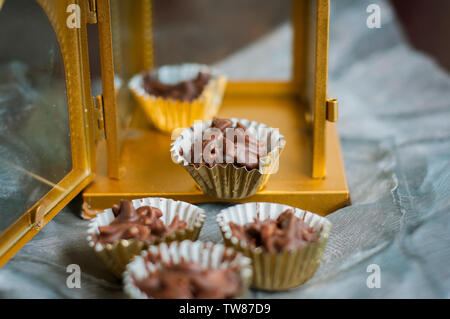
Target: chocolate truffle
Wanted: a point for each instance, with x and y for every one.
(188, 280)
(143, 224)
(183, 91)
(286, 233)
(229, 143)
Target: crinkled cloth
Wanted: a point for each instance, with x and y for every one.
(395, 132)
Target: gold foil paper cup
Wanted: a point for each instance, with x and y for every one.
(228, 181)
(276, 271)
(209, 255)
(118, 254)
(169, 114)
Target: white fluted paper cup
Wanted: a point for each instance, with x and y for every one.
(208, 255)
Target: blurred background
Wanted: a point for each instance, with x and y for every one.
(201, 30)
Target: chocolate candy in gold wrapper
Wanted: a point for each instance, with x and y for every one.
(188, 270)
(285, 233)
(184, 91)
(234, 176)
(175, 96)
(188, 280)
(277, 270)
(231, 144)
(143, 224)
(118, 253)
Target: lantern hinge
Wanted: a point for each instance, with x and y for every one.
(99, 122)
(37, 217)
(92, 12)
(332, 110)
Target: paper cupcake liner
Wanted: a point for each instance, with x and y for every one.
(209, 255)
(168, 114)
(276, 271)
(118, 254)
(228, 181)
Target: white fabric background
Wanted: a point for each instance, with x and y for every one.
(395, 132)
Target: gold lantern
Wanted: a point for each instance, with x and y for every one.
(114, 152)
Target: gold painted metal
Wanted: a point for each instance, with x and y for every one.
(109, 93)
(320, 87)
(297, 107)
(91, 13)
(332, 110)
(37, 217)
(99, 118)
(73, 46)
(310, 20)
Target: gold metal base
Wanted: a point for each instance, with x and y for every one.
(147, 168)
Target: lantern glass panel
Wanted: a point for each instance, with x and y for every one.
(35, 149)
(213, 32)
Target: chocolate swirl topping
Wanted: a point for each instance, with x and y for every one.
(183, 91)
(229, 144)
(286, 233)
(187, 280)
(143, 224)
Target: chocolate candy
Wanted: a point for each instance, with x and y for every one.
(227, 143)
(187, 280)
(286, 233)
(183, 91)
(143, 224)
